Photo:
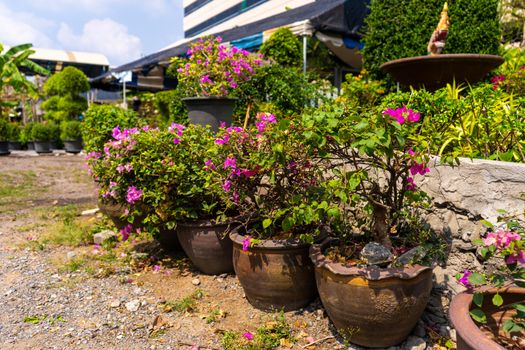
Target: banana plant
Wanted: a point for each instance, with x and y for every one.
(11, 61)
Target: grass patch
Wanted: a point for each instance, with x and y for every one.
(215, 315)
(267, 337)
(15, 188)
(36, 319)
(186, 304)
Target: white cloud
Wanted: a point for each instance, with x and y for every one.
(21, 27)
(105, 36)
(99, 7)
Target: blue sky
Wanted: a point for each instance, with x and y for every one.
(123, 30)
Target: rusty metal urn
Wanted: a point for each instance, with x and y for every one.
(436, 71)
(371, 306)
(275, 274)
(469, 335)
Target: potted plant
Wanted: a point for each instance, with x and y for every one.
(71, 136)
(25, 136)
(14, 137)
(490, 315)
(4, 136)
(160, 178)
(54, 130)
(41, 136)
(372, 292)
(271, 177)
(211, 72)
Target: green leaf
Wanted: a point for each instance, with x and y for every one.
(477, 279)
(267, 223)
(509, 326)
(487, 223)
(497, 300)
(287, 224)
(519, 307)
(478, 316)
(478, 299)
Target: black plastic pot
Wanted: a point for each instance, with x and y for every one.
(73, 146)
(4, 148)
(31, 145)
(210, 110)
(42, 146)
(15, 146)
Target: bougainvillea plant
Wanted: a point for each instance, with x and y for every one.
(157, 175)
(273, 178)
(507, 242)
(214, 69)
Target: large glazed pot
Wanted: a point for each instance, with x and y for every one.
(4, 148)
(275, 274)
(469, 335)
(208, 245)
(42, 146)
(167, 238)
(73, 146)
(210, 110)
(371, 306)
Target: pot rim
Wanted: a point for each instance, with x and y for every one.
(459, 313)
(372, 273)
(208, 223)
(203, 98)
(270, 244)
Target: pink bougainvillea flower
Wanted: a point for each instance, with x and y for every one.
(413, 116)
(133, 194)
(235, 197)
(126, 231)
(403, 114)
(249, 173)
(246, 243)
(396, 114)
(226, 186)
(518, 257)
(177, 128)
(410, 184)
(418, 168)
(176, 140)
(230, 162)
(205, 79)
(209, 165)
(501, 239)
(156, 268)
(248, 335)
(464, 279)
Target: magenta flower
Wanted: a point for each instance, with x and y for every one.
(248, 335)
(176, 140)
(205, 79)
(176, 127)
(235, 197)
(403, 114)
(501, 239)
(156, 268)
(246, 243)
(420, 169)
(518, 257)
(230, 162)
(209, 165)
(410, 184)
(226, 186)
(133, 194)
(125, 232)
(464, 279)
(248, 173)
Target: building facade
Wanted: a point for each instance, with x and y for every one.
(203, 17)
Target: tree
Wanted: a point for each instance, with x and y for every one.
(284, 48)
(10, 75)
(64, 89)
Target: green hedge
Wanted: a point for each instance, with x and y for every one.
(402, 28)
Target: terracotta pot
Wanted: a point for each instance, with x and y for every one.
(371, 306)
(207, 245)
(469, 335)
(167, 238)
(275, 274)
(210, 110)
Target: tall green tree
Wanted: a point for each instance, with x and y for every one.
(11, 61)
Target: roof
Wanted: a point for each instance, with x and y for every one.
(69, 56)
(339, 16)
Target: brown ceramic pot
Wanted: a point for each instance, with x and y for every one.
(207, 245)
(275, 274)
(371, 306)
(469, 335)
(167, 238)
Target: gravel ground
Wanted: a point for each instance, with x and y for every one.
(44, 306)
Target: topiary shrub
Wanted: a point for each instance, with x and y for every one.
(4, 129)
(64, 89)
(402, 28)
(71, 130)
(41, 132)
(99, 122)
(283, 47)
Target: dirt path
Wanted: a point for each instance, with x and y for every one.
(60, 296)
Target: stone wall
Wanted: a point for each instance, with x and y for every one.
(464, 195)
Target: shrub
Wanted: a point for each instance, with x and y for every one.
(64, 89)
(284, 48)
(4, 129)
(99, 122)
(26, 133)
(41, 132)
(171, 107)
(14, 132)
(71, 130)
(402, 28)
(361, 91)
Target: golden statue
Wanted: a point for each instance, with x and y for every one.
(439, 36)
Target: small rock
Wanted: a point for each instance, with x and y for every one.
(70, 255)
(195, 281)
(132, 305)
(115, 304)
(409, 257)
(376, 254)
(90, 212)
(102, 236)
(453, 335)
(223, 275)
(220, 280)
(414, 343)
